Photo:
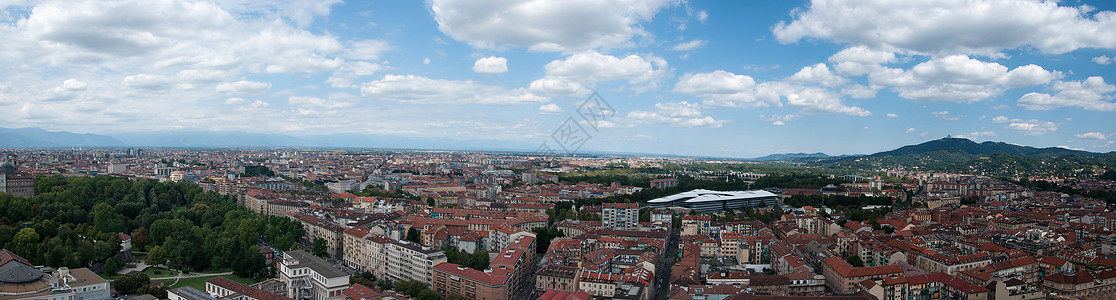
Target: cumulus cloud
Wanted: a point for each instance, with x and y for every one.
(131, 54)
(822, 100)
(550, 108)
(892, 115)
(780, 120)
(953, 26)
(859, 60)
(1091, 94)
(570, 76)
(418, 89)
(1091, 135)
(976, 134)
(545, 25)
(725, 89)
(491, 65)
(722, 88)
(944, 115)
(691, 45)
(680, 114)
(958, 78)
(73, 85)
(1104, 60)
(244, 87)
(818, 74)
(1027, 127)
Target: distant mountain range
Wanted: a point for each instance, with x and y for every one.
(789, 156)
(38, 138)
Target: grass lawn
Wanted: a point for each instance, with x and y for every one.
(199, 282)
(163, 272)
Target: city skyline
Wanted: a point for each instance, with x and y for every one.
(738, 79)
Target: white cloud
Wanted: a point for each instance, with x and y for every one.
(976, 134)
(366, 49)
(953, 26)
(149, 81)
(892, 115)
(1027, 127)
(169, 64)
(570, 76)
(418, 89)
(860, 60)
(725, 89)
(545, 25)
(910, 130)
(591, 66)
(1091, 94)
(73, 85)
(721, 88)
(491, 65)
(1104, 60)
(557, 87)
(244, 87)
(818, 74)
(680, 114)
(604, 124)
(691, 45)
(822, 100)
(69, 90)
(550, 108)
(859, 91)
(780, 120)
(958, 78)
(944, 115)
(1091, 135)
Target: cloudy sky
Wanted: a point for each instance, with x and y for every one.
(736, 79)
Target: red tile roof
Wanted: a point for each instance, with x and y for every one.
(845, 269)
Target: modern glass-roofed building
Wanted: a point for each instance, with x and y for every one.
(707, 200)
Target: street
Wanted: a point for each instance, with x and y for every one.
(662, 280)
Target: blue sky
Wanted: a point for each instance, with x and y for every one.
(713, 78)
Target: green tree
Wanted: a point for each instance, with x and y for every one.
(427, 294)
(543, 236)
(319, 247)
(410, 287)
(158, 256)
(250, 264)
(479, 260)
(414, 236)
(112, 265)
(105, 219)
(26, 243)
(855, 261)
(385, 284)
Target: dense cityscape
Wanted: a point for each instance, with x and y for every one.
(392, 224)
(557, 150)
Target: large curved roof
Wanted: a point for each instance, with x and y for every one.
(15, 271)
(701, 195)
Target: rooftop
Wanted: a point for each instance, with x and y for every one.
(315, 263)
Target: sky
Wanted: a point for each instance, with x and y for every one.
(707, 78)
